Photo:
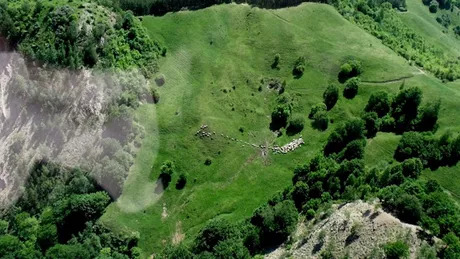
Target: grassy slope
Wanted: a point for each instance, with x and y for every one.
(419, 18)
(233, 46)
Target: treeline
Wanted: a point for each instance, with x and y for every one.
(56, 217)
(160, 7)
(55, 33)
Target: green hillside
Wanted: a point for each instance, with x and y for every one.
(419, 18)
(216, 60)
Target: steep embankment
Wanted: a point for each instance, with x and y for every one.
(356, 230)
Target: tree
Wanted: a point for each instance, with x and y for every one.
(231, 249)
(319, 107)
(177, 251)
(409, 209)
(212, 233)
(412, 168)
(181, 181)
(276, 61)
(434, 6)
(299, 67)
(296, 124)
(300, 194)
(280, 116)
(166, 172)
(320, 121)
(330, 96)
(68, 252)
(428, 116)
(396, 250)
(354, 150)
(405, 107)
(371, 124)
(379, 102)
(351, 88)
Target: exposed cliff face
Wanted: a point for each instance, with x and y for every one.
(57, 115)
(356, 230)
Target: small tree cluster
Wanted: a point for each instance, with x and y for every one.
(352, 68)
(351, 88)
(299, 67)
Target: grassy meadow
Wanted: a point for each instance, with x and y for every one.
(215, 62)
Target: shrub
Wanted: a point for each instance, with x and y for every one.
(299, 67)
(154, 94)
(371, 124)
(412, 168)
(428, 116)
(379, 102)
(353, 150)
(434, 6)
(208, 161)
(182, 181)
(396, 250)
(351, 88)
(387, 123)
(405, 108)
(296, 124)
(319, 107)
(350, 69)
(212, 233)
(166, 172)
(320, 121)
(276, 61)
(345, 70)
(160, 80)
(280, 116)
(330, 96)
(344, 134)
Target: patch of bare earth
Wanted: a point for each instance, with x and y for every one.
(178, 234)
(356, 229)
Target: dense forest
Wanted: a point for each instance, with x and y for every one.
(56, 217)
(77, 34)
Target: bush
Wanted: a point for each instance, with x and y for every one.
(351, 88)
(208, 161)
(344, 134)
(154, 94)
(428, 116)
(182, 181)
(160, 80)
(166, 172)
(212, 233)
(330, 96)
(299, 67)
(280, 116)
(350, 69)
(320, 121)
(412, 168)
(296, 124)
(387, 123)
(434, 5)
(405, 108)
(396, 250)
(371, 124)
(319, 107)
(276, 61)
(379, 102)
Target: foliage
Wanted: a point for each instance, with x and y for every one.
(344, 134)
(371, 124)
(296, 124)
(57, 217)
(330, 96)
(351, 69)
(320, 121)
(351, 88)
(181, 182)
(299, 67)
(379, 102)
(405, 108)
(57, 39)
(166, 172)
(434, 5)
(319, 107)
(396, 250)
(444, 20)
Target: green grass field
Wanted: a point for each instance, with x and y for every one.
(419, 18)
(216, 59)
